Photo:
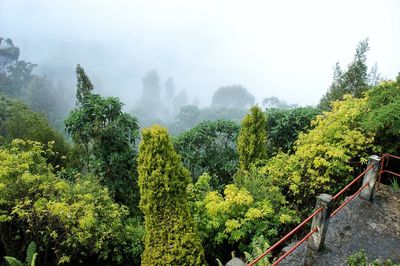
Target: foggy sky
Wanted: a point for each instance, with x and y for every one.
(281, 48)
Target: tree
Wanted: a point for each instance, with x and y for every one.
(171, 238)
(8, 53)
(275, 102)
(15, 74)
(354, 81)
(187, 118)
(17, 80)
(210, 147)
(106, 137)
(151, 103)
(43, 97)
(190, 115)
(84, 86)
(18, 77)
(17, 121)
(234, 96)
(284, 126)
(380, 115)
(179, 101)
(252, 139)
(170, 89)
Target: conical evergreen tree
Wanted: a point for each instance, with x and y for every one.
(171, 238)
(252, 139)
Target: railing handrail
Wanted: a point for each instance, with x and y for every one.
(313, 230)
(285, 237)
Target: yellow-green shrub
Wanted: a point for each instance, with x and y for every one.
(171, 237)
(70, 222)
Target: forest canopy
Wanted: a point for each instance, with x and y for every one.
(92, 184)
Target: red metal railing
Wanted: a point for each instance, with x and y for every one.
(285, 237)
(351, 183)
(382, 166)
(348, 200)
(295, 246)
(269, 250)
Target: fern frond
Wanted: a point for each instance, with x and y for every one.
(13, 261)
(219, 263)
(33, 262)
(30, 253)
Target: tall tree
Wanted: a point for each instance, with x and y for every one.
(355, 80)
(252, 140)
(171, 238)
(84, 85)
(234, 96)
(106, 137)
(169, 88)
(8, 53)
(18, 78)
(15, 74)
(151, 102)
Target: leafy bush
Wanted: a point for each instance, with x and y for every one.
(233, 218)
(321, 159)
(360, 259)
(380, 115)
(17, 121)
(210, 147)
(72, 222)
(284, 126)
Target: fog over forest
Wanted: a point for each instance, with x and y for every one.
(149, 132)
(158, 57)
(203, 45)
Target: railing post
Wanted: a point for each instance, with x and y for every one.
(321, 221)
(370, 177)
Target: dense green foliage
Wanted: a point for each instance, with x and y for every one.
(210, 147)
(257, 247)
(380, 115)
(246, 185)
(284, 126)
(105, 137)
(17, 121)
(18, 81)
(71, 222)
(234, 217)
(171, 237)
(190, 115)
(321, 159)
(252, 139)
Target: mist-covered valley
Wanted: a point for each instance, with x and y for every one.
(186, 133)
